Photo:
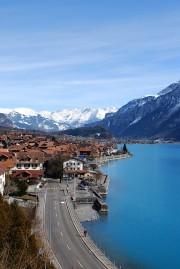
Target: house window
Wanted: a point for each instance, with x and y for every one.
(34, 165)
(26, 165)
(18, 166)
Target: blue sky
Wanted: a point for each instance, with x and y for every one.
(78, 53)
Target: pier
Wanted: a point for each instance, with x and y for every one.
(100, 206)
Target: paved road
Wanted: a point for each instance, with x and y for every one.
(65, 241)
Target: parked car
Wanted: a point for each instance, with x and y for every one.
(82, 187)
(87, 183)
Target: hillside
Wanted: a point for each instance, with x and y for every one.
(151, 117)
(94, 131)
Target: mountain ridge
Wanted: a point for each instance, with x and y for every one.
(150, 117)
(26, 118)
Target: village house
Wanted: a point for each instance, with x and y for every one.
(73, 164)
(73, 167)
(85, 151)
(3, 141)
(5, 155)
(6, 162)
(28, 164)
(49, 154)
(110, 149)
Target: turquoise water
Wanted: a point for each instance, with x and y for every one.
(142, 228)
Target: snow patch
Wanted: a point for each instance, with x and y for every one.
(136, 120)
(177, 107)
(5, 110)
(26, 111)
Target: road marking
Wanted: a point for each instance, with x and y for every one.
(61, 234)
(80, 264)
(56, 214)
(58, 223)
(68, 247)
(53, 188)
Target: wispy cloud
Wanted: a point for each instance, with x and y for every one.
(108, 63)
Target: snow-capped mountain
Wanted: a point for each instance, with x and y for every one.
(63, 119)
(149, 117)
(156, 117)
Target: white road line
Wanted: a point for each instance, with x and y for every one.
(80, 264)
(56, 214)
(58, 223)
(68, 247)
(61, 234)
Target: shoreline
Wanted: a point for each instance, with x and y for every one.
(103, 160)
(85, 212)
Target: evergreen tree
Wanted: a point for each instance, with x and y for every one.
(125, 148)
(54, 168)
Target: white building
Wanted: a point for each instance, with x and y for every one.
(73, 164)
(2, 180)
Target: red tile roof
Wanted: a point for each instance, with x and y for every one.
(31, 173)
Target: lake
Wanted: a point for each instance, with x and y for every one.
(142, 228)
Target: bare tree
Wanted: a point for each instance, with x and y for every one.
(10, 186)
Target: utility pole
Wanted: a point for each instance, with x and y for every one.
(75, 188)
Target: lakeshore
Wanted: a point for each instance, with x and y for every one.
(85, 212)
(104, 159)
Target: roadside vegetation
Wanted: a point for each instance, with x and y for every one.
(19, 244)
(54, 167)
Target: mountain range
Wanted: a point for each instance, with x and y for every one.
(149, 117)
(25, 118)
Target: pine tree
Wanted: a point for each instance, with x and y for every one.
(125, 148)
